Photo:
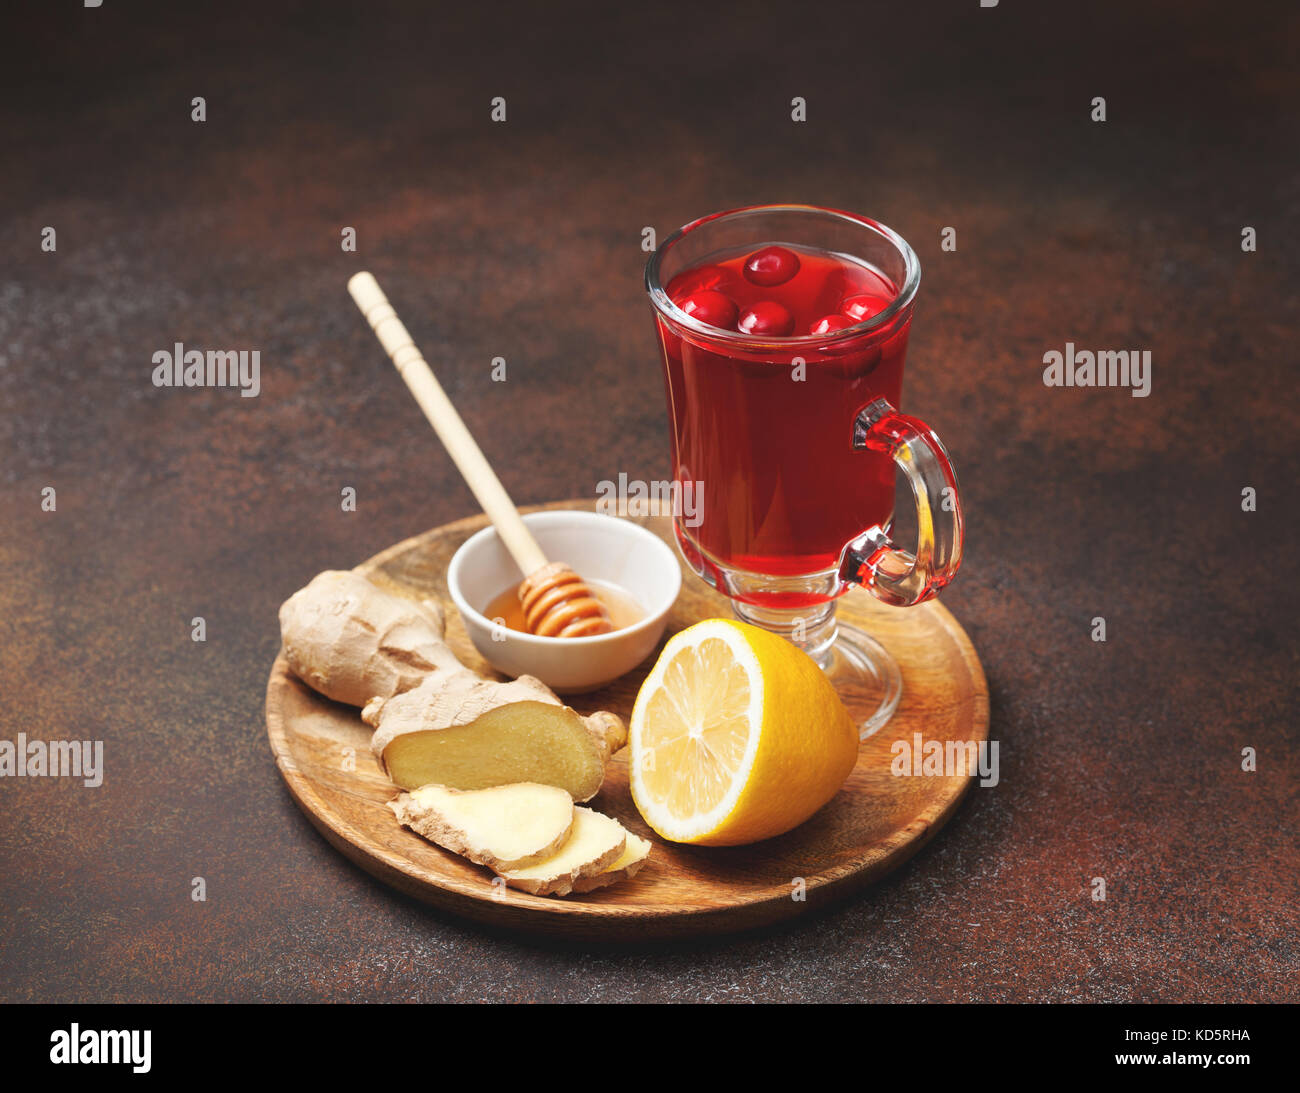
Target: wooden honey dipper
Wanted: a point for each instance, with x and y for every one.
(557, 602)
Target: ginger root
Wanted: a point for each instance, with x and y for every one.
(435, 720)
(351, 641)
(504, 827)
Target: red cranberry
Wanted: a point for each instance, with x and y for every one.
(771, 266)
(827, 323)
(767, 317)
(861, 308)
(712, 308)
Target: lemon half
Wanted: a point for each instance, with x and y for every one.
(736, 736)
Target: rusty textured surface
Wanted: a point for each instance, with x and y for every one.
(521, 240)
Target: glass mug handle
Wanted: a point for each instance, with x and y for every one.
(873, 560)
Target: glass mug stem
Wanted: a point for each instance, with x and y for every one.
(862, 670)
(812, 628)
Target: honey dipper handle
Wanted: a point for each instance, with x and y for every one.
(446, 422)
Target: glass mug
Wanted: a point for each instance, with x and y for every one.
(783, 330)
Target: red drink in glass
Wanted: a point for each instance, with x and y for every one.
(783, 330)
(764, 434)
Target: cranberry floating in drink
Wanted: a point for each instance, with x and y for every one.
(858, 309)
(827, 323)
(767, 317)
(771, 266)
(710, 307)
(786, 430)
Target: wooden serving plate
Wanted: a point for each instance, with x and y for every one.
(873, 825)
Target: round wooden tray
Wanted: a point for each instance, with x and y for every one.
(874, 824)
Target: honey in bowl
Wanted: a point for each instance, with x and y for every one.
(624, 611)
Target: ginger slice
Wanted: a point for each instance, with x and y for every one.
(627, 865)
(594, 844)
(472, 733)
(503, 827)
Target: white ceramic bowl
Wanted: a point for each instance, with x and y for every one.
(598, 547)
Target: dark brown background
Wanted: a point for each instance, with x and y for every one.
(522, 240)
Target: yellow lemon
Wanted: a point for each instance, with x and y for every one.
(736, 736)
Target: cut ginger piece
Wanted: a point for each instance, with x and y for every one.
(503, 827)
(594, 844)
(627, 865)
(469, 733)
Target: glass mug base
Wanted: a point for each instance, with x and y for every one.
(862, 671)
